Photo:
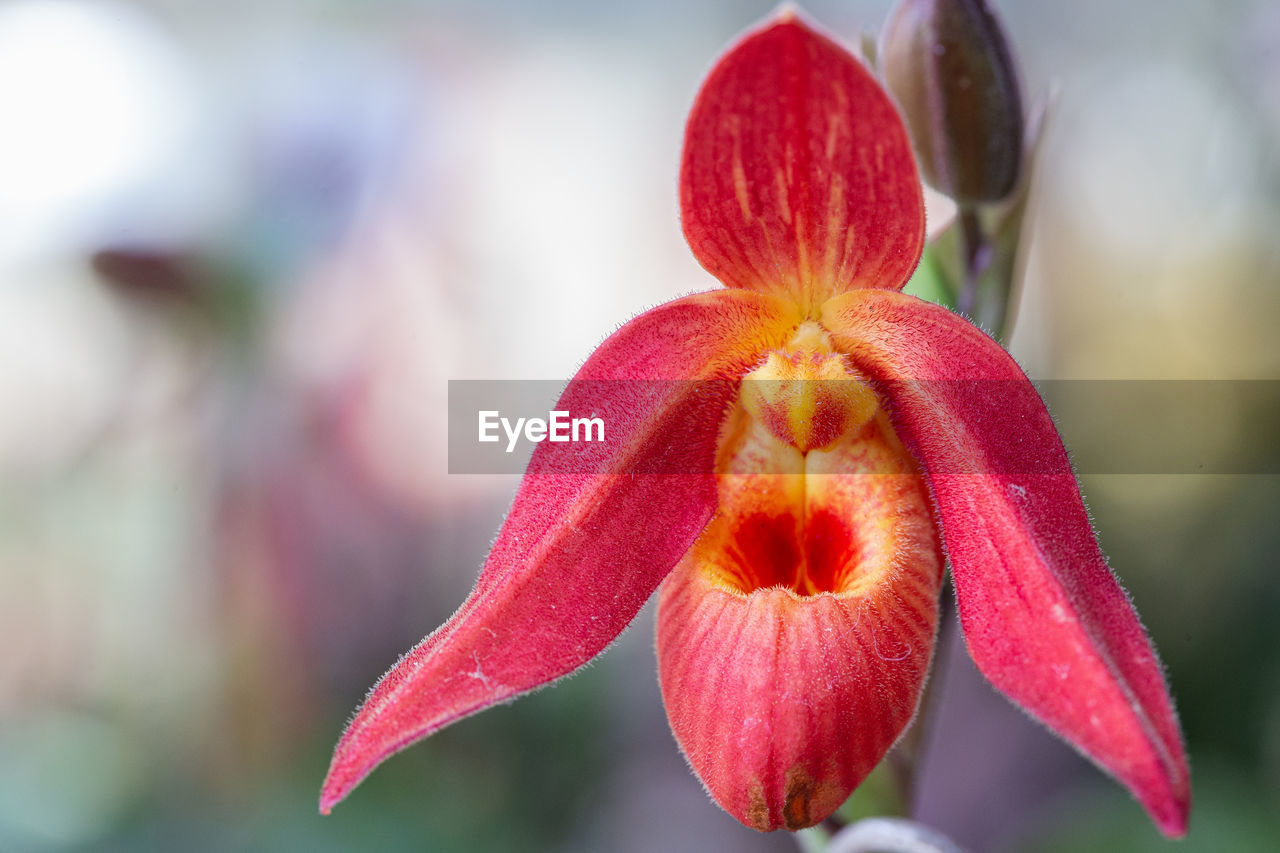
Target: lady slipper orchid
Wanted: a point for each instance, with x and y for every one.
(790, 458)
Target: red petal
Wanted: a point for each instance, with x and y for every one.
(794, 638)
(798, 176)
(1045, 619)
(580, 552)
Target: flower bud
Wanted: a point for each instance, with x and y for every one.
(948, 64)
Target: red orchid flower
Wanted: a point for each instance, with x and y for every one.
(797, 524)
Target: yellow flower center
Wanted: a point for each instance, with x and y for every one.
(806, 395)
(817, 494)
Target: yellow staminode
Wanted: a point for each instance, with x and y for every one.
(805, 393)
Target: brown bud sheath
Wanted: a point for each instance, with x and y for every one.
(948, 64)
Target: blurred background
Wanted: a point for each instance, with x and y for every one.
(243, 247)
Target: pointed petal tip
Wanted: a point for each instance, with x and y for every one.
(786, 13)
(1174, 823)
(346, 770)
(1168, 803)
(332, 791)
(789, 14)
(339, 782)
(1174, 820)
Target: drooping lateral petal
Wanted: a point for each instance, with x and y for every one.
(794, 638)
(798, 176)
(592, 532)
(1044, 617)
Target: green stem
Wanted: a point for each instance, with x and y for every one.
(907, 757)
(975, 257)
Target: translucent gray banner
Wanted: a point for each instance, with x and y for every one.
(1109, 426)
